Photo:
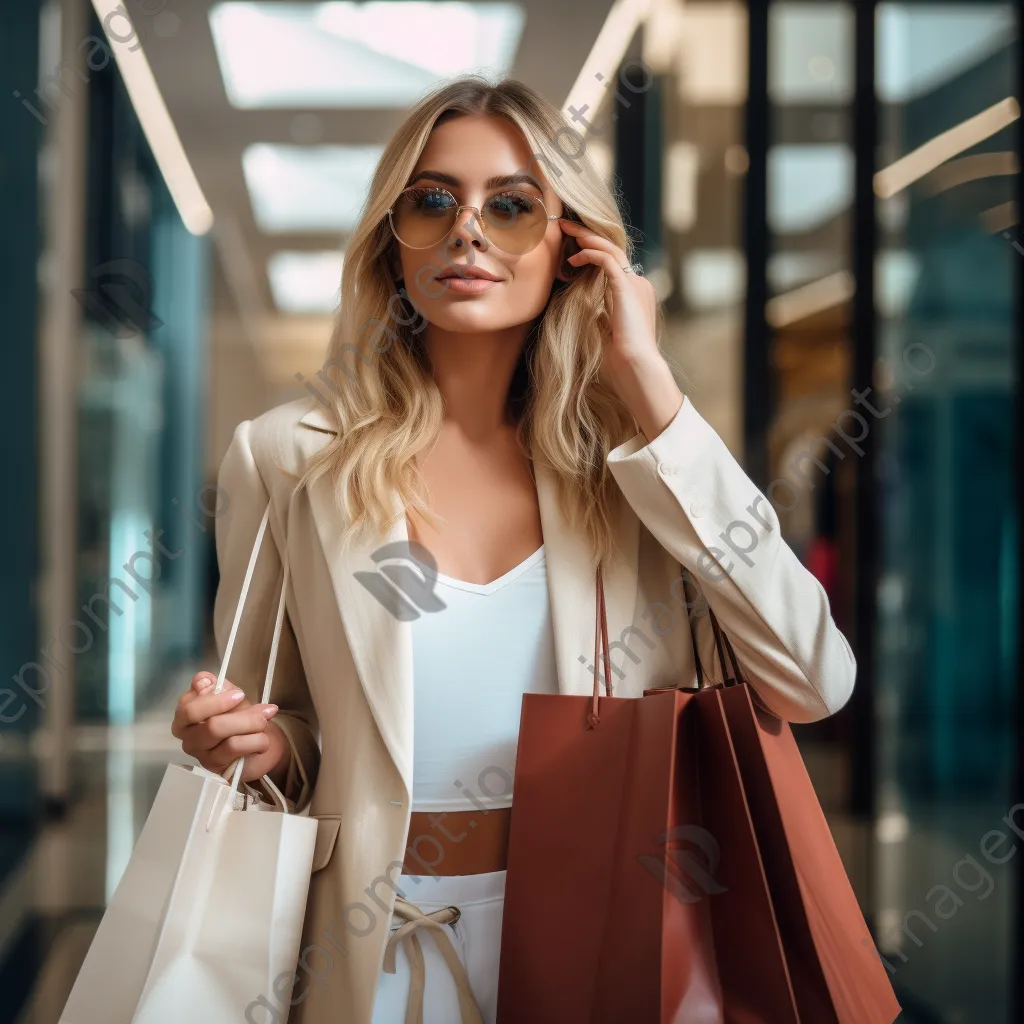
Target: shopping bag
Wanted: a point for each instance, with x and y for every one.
(208, 914)
(835, 973)
(595, 925)
(669, 862)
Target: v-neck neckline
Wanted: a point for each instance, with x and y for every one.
(484, 588)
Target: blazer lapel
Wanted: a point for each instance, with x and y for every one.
(381, 641)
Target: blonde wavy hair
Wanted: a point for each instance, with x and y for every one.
(387, 405)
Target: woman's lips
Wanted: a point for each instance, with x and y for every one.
(467, 285)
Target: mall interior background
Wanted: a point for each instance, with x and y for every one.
(826, 196)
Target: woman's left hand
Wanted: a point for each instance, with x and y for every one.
(634, 367)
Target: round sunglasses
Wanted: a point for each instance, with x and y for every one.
(513, 221)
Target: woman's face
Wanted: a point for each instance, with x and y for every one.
(462, 156)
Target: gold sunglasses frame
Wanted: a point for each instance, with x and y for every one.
(458, 211)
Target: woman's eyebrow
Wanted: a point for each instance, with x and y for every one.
(498, 181)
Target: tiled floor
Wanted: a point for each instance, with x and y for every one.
(51, 903)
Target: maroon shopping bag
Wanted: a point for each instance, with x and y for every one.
(669, 862)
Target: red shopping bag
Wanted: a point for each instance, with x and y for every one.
(669, 862)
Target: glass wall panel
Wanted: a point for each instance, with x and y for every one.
(23, 693)
(810, 192)
(810, 195)
(702, 52)
(946, 76)
(143, 535)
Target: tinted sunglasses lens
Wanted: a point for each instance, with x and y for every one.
(516, 222)
(422, 217)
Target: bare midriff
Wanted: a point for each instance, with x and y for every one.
(457, 842)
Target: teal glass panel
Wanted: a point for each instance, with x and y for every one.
(944, 391)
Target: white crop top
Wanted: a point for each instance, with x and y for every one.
(472, 662)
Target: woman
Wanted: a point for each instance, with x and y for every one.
(495, 408)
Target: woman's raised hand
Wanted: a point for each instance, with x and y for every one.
(215, 729)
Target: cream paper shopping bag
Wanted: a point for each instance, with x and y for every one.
(233, 923)
(209, 911)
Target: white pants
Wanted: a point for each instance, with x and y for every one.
(476, 936)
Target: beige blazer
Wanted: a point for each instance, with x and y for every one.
(344, 673)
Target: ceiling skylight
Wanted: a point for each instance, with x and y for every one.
(308, 188)
(305, 282)
(342, 54)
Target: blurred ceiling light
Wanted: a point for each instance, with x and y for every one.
(682, 169)
(156, 122)
(810, 59)
(306, 282)
(808, 185)
(920, 49)
(737, 159)
(897, 272)
(971, 168)
(712, 58)
(812, 298)
(936, 151)
(662, 35)
(344, 54)
(892, 827)
(308, 188)
(789, 270)
(592, 84)
(714, 278)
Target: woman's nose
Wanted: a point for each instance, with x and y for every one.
(469, 230)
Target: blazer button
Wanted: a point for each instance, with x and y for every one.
(667, 468)
(698, 509)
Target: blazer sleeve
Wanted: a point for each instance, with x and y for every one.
(693, 496)
(245, 498)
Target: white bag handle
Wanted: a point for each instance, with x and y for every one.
(237, 777)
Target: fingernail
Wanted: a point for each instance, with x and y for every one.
(237, 695)
(269, 709)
